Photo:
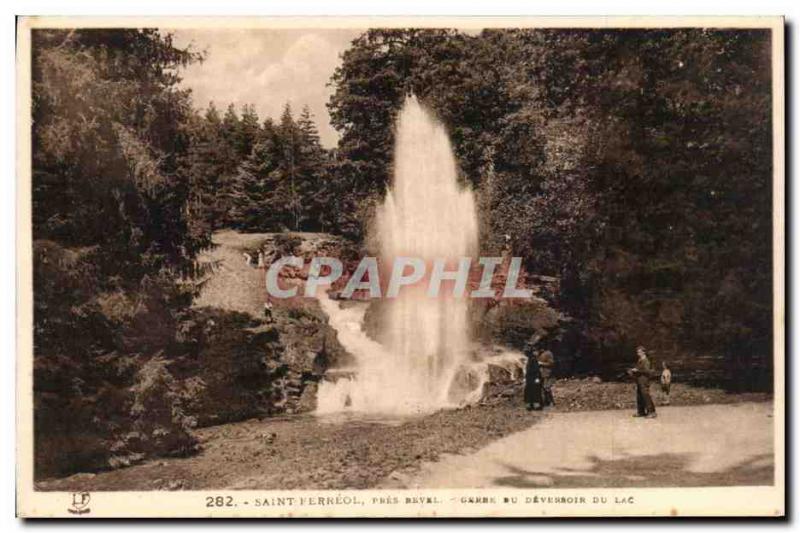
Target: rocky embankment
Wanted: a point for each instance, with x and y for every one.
(305, 345)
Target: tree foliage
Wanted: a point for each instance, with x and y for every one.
(635, 165)
(256, 176)
(113, 233)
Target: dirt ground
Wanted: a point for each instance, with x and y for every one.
(306, 452)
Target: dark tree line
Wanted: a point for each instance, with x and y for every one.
(635, 165)
(258, 176)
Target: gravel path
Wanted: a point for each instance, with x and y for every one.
(709, 445)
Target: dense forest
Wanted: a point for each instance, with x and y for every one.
(633, 165)
(258, 176)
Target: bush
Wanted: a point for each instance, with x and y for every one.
(226, 369)
(160, 423)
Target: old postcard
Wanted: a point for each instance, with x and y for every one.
(400, 267)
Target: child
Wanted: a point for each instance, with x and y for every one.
(666, 381)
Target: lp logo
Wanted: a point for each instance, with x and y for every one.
(80, 503)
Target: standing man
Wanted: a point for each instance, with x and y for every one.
(642, 373)
(546, 364)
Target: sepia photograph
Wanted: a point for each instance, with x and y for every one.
(400, 267)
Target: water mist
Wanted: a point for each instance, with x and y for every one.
(426, 214)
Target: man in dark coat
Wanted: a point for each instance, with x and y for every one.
(642, 374)
(533, 381)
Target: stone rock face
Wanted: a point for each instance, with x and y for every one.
(513, 323)
(499, 374)
(309, 347)
(311, 344)
(293, 348)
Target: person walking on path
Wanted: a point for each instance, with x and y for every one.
(666, 381)
(641, 373)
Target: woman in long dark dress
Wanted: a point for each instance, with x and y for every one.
(533, 382)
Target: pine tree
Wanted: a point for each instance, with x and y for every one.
(212, 116)
(280, 182)
(312, 163)
(249, 191)
(289, 138)
(209, 165)
(247, 132)
(230, 123)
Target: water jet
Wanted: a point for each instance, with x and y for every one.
(425, 359)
